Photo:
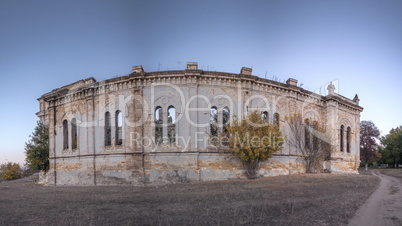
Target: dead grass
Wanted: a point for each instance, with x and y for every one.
(309, 199)
(392, 172)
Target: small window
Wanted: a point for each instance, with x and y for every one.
(74, 140)
(276, 119)
(158, 125)
(65, 134)
(108, 130)
(264, 116)
(171, 124)
(348, 134)
(341, 137)
(119, 128)
(225, 118)
(213, 120)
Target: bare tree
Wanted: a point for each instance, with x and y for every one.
(310, 139)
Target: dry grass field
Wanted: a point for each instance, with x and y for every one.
(392, 172)
(307, 199)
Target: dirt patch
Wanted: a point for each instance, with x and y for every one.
(306, 199)
(383, 206)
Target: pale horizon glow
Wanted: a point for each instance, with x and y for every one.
(46, 45)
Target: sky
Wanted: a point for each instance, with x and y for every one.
(48, 44)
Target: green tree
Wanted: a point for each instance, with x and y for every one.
(253, 140)
(369, 134)
(11, 171)
(392, 147)
(37, 148)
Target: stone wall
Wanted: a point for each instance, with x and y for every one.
(191, 156)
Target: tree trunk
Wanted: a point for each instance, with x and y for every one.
(366, 165)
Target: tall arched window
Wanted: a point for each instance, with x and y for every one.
(307, 134)
(171, 124)
(65, 134)
(158, 125)
(348, 132)
(276, 119)
(119, 128)
(213, 121)
(314, 134)
(74, 140)
(108, 130)
(341, 137)
(225, 118)
(264, 116)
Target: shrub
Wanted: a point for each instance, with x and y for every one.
(11, 171)
(253, 140)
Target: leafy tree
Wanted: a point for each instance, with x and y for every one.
(369, 134)
(310, 139)
(37, 148)
(11, 171)
(253, 140)
(392, 147)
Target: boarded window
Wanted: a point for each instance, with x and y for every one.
(341, 137)
(213, 120)
(65, 134)
(119, 128)
(74, 139)
(108, 130)
(158, 125)
(171, 124)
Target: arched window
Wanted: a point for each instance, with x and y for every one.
(108, 130)
(348, 132)
(314, 134)
(74, 140)
(276, 119)
(171, 124)
(341, 137)
(213, 120)
(264, 116)
(158, 125)
(119, 128)
(225, 118)
(307, 134)
(65, 134)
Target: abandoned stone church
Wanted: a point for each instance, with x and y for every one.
(156, 127)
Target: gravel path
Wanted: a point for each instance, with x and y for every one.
(384, 207)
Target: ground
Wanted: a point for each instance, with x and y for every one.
(385, 204)
(305, 199)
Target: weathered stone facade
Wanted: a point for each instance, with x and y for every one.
(155, 127)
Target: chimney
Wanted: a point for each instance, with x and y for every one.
(291, 81)
(246, 71)
(137, 69)
(192, 66)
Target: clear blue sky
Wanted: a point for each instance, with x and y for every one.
(48, 44)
